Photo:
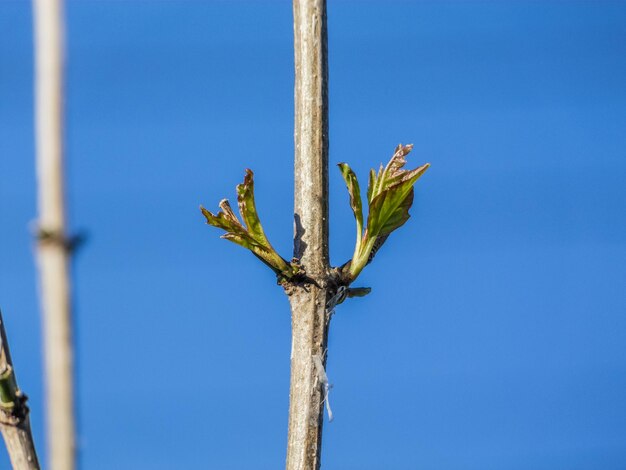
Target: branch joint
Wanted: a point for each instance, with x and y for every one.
(57, 238)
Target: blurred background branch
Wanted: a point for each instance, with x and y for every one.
(53, 253)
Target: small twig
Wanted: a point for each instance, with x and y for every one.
(14, 419)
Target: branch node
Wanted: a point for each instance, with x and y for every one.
(54, 237)
(16, 412)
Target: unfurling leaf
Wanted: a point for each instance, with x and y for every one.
(355, 198)
(389, 197)
(250, 234)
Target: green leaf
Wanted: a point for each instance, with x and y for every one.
(389, 209)
(355, 198)
(247, 207)
(250, 234)
(370, 186)
(354, 190)
(390, 196)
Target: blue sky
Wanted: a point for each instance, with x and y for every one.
(494, 335)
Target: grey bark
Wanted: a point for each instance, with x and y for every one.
(53, 247)
(14, 414)
(19, 441)
(308, 301)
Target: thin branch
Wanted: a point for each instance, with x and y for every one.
(311, 134)
(308, 303)
(53, 246)
(14, 413)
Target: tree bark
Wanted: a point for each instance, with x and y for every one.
(308, 301)
(20, 446)
(14, 419)
(53, 247)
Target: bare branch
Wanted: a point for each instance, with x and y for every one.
(14, 418)
(52, 249)
(308, 303)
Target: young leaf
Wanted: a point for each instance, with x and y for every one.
(390, 196)
(355, 199)
(247, 207)
(250, 234)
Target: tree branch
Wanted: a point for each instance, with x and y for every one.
(52, 248)
(308, 302)
(14, 419)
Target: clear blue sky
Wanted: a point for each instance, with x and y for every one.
(494, 337)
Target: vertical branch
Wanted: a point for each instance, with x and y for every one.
(311, 134)
(308, 303)
(14, 419)
(52, 250)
